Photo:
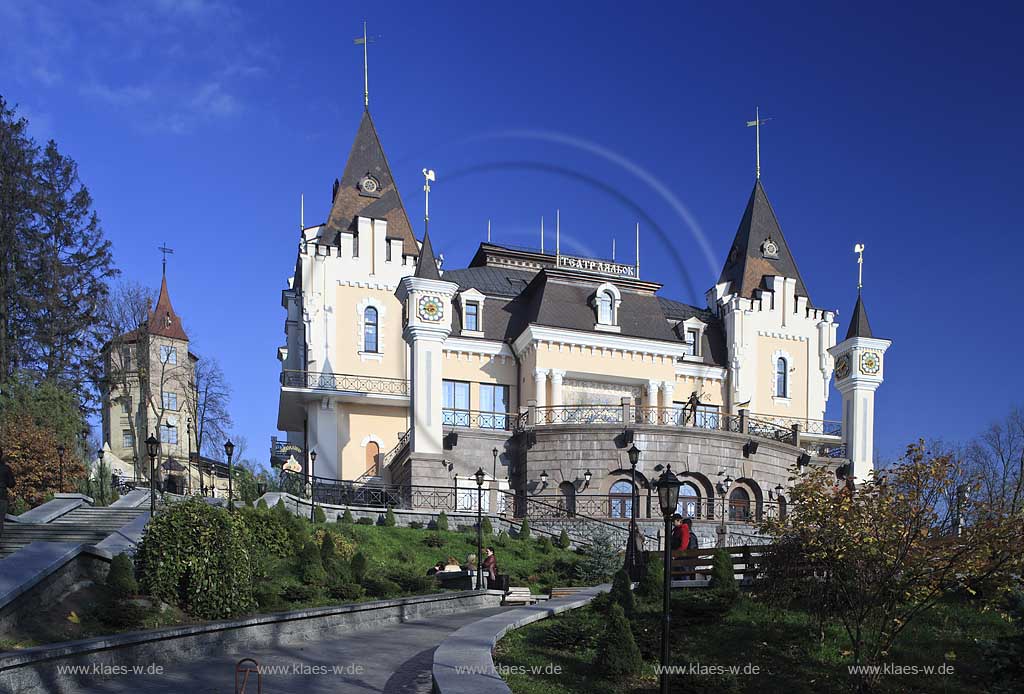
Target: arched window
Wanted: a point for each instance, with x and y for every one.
(781, 378)
(372, 451)
(605, 301)
(620, 500)
(739, 504)
(370, 329)
(568, 501)
(688, 505)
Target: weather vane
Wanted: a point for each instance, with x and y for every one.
(428, 176)
(165, 251)
(756, 125)
(859, 250)
(363, 41)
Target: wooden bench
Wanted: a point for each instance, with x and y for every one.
(565, 591)
(519, 595)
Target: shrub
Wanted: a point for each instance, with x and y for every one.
(502, 539)
(622, 593)
(433, 540)
(318, 515)
(358, 567)
(652, 584)
(573, 631)
(416, 525)
(270, 532)
(198, 557)
(389, 518)
(486, 527)
(327, 554)
(364, 521)
(1005, 655)
(700, 607)
(121, 579)
(442, 521)
(723, 577)
(600, 560)
(544, 545)
(412, 582)
(281, 510)
(261, 505)
(343, 590)
(311, 567)
(380, 586)
(563, 540)
(346, 518)
(524, 530)
(617, 655)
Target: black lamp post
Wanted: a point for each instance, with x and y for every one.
(586, 478)
(188, 437)
(152, 448)
(544, 478)
(229, 449)
(60, 465)
(312, 489)
(494, 466)
(726, 485)
(479, 528)
(668, 496)
(631, 548)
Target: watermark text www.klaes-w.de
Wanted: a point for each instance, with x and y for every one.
(705, 670)
(893, 669)
(104, 670)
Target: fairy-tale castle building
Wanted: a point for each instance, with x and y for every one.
(543, 369)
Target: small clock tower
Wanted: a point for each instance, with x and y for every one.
(427, 302)
(859, 370)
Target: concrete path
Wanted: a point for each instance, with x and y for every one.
(396, 659)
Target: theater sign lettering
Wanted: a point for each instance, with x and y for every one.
(591, 265)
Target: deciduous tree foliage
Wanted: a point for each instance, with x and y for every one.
(31, 450)
(875, 558)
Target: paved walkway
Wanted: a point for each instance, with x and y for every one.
(395, 659)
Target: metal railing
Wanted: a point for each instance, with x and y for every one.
(579, 414)
(401, 447)
(477, 419)
(318, 380)
(766, 429)
(827, 450)
(824, 427)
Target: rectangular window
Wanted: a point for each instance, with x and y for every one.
(126, 357)
(493, 406)
(170, 400)
(169, 431)
(387, 250)
(692, 342)
(168, 354)
(472, 315)
(127, 440)
(455, 403)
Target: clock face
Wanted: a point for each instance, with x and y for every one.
(431, 308)
(869, 363)
(842, 367)
(369, 184)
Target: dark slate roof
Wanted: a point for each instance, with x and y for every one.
(349, 202)
(426, 266)
(746, 265)
(491, 281)
(163, 321)
(859, 325)
(712, 346)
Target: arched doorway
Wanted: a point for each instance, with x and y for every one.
(739, 504)
(620, 500)
(372, 453)
(567, 502)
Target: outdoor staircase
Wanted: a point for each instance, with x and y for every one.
(83, 525)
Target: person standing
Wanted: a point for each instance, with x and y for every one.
(6, 482)
(490, 566)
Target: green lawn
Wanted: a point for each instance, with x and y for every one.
(783, 645)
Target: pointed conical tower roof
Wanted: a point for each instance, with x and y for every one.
(163, 321)
(759, 249)
(426, 267)
(859, 325)
(367, 189)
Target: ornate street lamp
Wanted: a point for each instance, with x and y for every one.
(60, 465)
(544, 478)
(312, 482)
(229, 449)
(668, 496)
(152, 448)
(494, 466)
(726, 485)
(631, 548)
(479, 528)
(188, 437)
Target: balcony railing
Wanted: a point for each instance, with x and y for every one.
(580, 414)
(477, 419)
(615, 508)
(319, 380)
(767, 429)
(400, 449)
(824, 427)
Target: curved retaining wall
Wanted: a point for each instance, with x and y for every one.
(35, 670)
(463, 663)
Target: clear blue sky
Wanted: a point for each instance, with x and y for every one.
(199, 122)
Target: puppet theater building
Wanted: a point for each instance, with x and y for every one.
(544, 369)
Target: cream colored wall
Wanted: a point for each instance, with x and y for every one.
(357, 422)
(479, 368)
(600, 363)
(799, 366)
(349, 304)
(710, 391)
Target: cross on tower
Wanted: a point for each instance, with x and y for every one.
(363, 41)
(165, 251)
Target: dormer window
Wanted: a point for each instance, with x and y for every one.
(472, 303)
(472, 315)
(692, 342)
(691, 331)
(606, 302)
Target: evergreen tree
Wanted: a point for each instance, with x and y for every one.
(617, 653)
(524, 530)
(563, 540)
(486, 526)
(311, 565)
(358, 566)
(723, 576)
(622, 593)
(442, 521)
(389, 518)
(346, 518)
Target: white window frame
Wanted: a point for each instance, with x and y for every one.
(609, 293)
(127, 439)
(364, 355)
(472, 296)
(694, 324)
(169, 400)
(788, 397)
(169, 355)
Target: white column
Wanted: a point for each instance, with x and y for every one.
(667, 391)
(652, 393)
(556, 387)
(323, 438)
(540, 391)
